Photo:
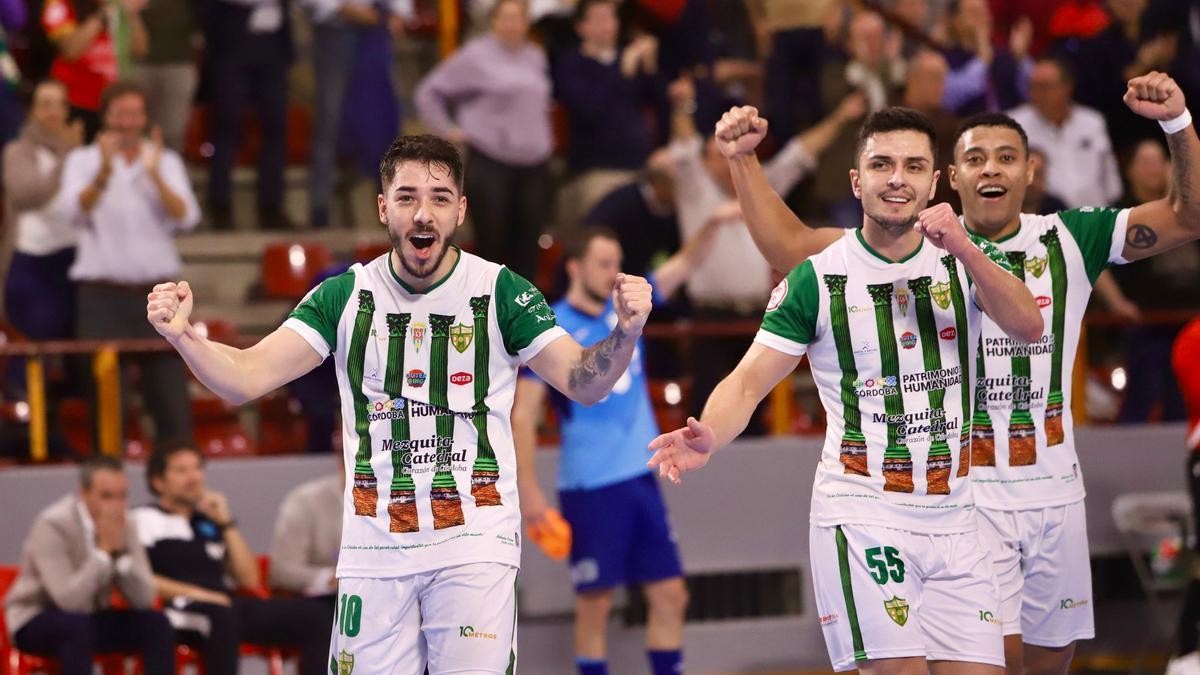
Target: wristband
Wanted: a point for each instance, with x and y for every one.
(1176, 124)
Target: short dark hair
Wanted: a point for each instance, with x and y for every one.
(500, 3)
(89, 466)
(1065, 69)
(118, 89)
(156, 464)
(427, 149)
(582, 8)
(992, 119)
(896, 118)
(577, 245)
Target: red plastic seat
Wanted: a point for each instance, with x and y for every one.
(288, 268)
(219, 431)
(217, 329)
(366, 251)
(281, 429)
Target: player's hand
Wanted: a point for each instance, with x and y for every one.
(632, 300)
(168, 308)
(852, 107)
(940, 225)
(152, 153)
(534, 506)
(1155, 96)
(108, 142)
(685, 449)
(110, 529)
(739, 131)
(215, 507)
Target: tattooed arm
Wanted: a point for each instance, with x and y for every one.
(588, 375)
(1161, 225)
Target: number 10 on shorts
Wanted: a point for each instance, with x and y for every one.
(885, 562)
(349, 618)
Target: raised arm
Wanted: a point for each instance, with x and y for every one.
(236, 375)
(588, 375)
(726, 413)
(1163, 224)
(1001, 295)
(783, 239)
(676, 270)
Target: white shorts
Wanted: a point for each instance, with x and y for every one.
(1043, 571)
(884, 593)
(459, 619)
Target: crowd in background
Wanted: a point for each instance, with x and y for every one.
(570, 113)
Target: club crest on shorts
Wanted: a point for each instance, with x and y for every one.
(461, 335)
(897, 609)
(344, 663)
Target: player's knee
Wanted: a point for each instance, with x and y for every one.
(668, 596)
(594, 603)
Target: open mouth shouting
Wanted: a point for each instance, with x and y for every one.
(991, 192)
(423, 243)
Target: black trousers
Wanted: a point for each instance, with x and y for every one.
(75, 639)
(107, 312)
(303, 623)
(509, 206)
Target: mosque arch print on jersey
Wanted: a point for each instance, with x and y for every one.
(962, 331)
(940, 460)
(1058, 290)
(486, 471)
(402, 505)
(365, 491)
(1022, 435)
(854, 443)
(897, 462)
(445, 500)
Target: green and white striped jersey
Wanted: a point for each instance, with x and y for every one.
(890, 345)
(427, 382)
(1022, 440)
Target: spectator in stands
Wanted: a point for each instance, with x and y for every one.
(1119, 53)
(88, 57)
(796, 33)
(343, 30)
(734, 284)
(1038, 199)
(194, 543)
(873, 67)
(126, 197)
(642, 213)
(1165, 282)
(924, 88)
(308, 535)
(167, 69)
(1082, 169)
(247, 49)
(500, 87)
(605, 91)
(39, 299)
(983, 76)
(13, 15)
(80, 549)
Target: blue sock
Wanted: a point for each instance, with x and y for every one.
(666, 661)
(588, 666)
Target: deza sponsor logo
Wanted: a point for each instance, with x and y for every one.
(461, 378)
(1043, 301)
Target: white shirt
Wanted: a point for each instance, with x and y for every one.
(42, 231)
(1080, 166)
(325, 10)
(127, 237)
(735, 275)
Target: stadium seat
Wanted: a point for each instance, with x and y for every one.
(288, 268)
(281, 429)
(217, 329)
(219, 431)
(366, 251)
(198, 136)
(549, 263)
(74, 420)
(670, 400)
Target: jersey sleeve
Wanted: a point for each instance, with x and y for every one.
(1100, 235)
(316, 317)
(995, 255)
(526, 320)
(790, 321)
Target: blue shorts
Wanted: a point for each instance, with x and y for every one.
(620, 534)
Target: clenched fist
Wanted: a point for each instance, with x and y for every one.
(940, 225)
(1156, 96)
(632, 302)
(168, 308)
(739, 131)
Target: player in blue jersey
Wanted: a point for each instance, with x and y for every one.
(619, 528)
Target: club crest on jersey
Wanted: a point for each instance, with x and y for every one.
(908, 340)
(461, 335)
(897, 610)
(777, 295)
(416, 378)
(1035, 266)
(902, 300)
(418, 336)
(940, 292)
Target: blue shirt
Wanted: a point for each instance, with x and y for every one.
(605, 443)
